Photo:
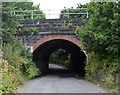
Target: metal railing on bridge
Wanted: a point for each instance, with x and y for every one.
(50, 13)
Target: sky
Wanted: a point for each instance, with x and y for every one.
(52, 7)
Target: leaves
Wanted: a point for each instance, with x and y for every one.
(100, 37)
(101, 32)
(19, 61)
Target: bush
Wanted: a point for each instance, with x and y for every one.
(103, 71)
(17, 67)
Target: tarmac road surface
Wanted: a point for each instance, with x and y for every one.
(57, 82)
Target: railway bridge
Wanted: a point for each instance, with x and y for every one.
(44, 36)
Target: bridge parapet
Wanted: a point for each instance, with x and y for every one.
(46, 27)
(52, 25)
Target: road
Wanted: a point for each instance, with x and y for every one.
(57, 82)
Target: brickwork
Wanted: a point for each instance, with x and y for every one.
(55, 37)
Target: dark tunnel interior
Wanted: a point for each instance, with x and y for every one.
(42, 53)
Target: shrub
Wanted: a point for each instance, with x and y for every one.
(18, 68)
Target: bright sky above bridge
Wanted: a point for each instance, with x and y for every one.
(52, 7)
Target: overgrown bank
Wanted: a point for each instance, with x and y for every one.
(15, 60)
(17, 66)
(100, 37)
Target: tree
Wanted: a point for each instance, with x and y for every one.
(9, 21)
(25, 9)
(101, 33)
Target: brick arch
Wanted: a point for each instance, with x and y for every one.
(55, 37)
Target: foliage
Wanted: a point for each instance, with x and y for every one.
(70, 25)
(9, 22)
(105, 71)
(27, 8)
(20, 67)
(101, 40)
(11, 80)
(22, 30)
(17, 64)
(103, 29)
(60, 57)
(67, 61)
(31, 72)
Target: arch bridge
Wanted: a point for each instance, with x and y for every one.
(53, 34)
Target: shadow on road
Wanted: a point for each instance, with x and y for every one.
(62, 72)
(56, 70)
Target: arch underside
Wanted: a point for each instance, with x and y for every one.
(46, 47)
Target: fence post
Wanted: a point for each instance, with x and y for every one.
(68, 14)
(32, 14)
(87, 14)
